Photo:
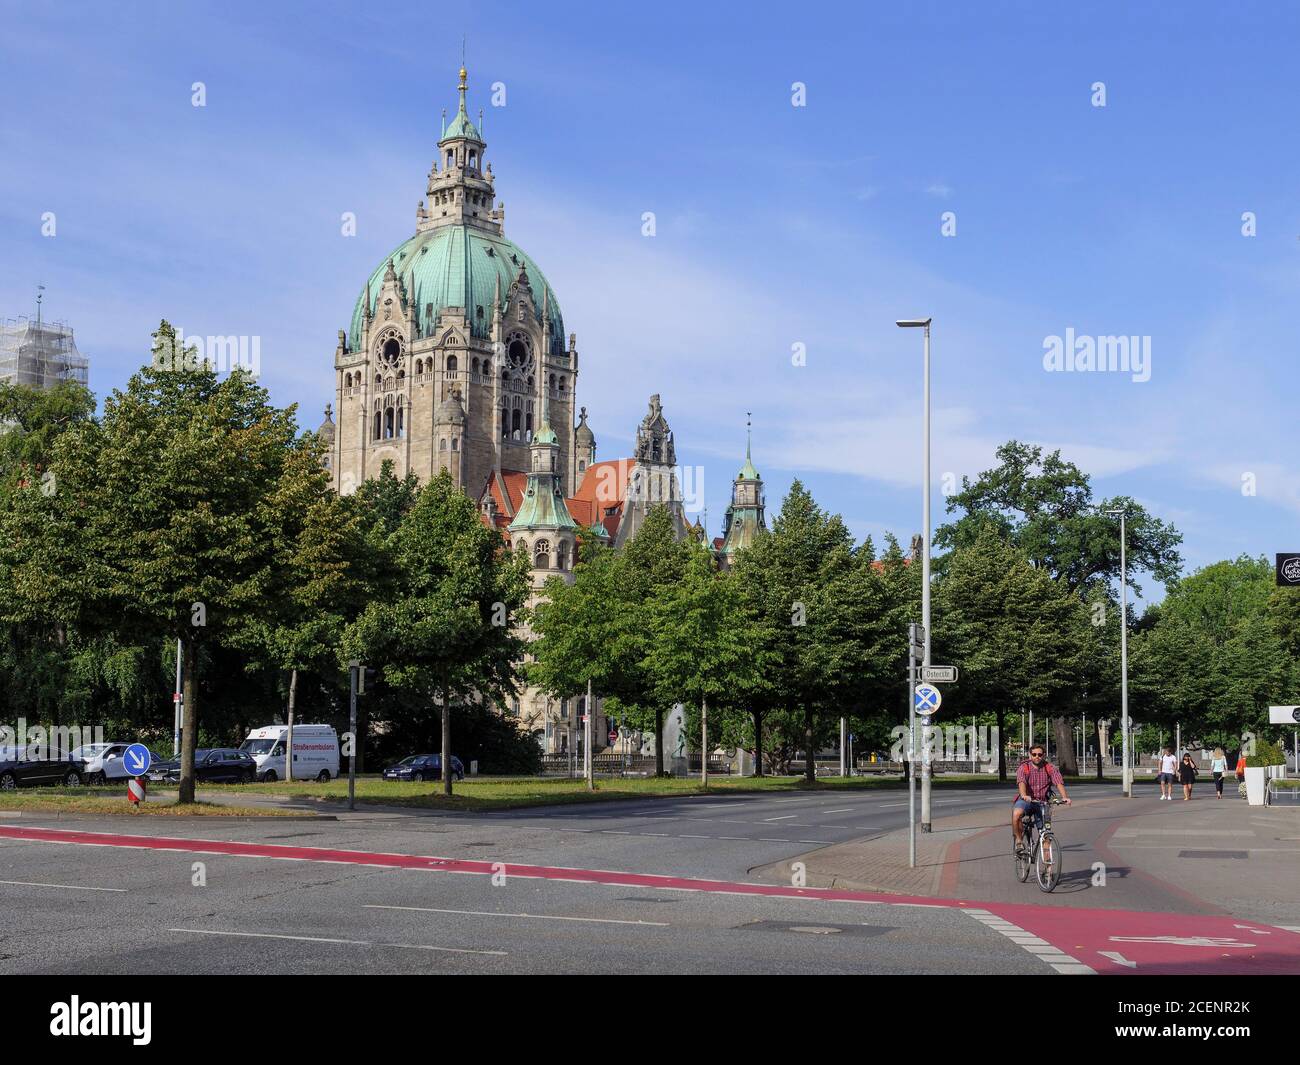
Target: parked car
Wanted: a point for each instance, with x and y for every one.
(315, 752)
(34, 766)
(104, 761)
(212, 765)
(423, 767)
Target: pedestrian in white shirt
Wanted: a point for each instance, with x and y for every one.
(1168, 768)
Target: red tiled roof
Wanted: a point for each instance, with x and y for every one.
(599, 499)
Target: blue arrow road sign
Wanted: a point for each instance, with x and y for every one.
(927, 698)
(137, 759)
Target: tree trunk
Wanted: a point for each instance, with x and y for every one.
(809, 759)
(288, 742)
(659, 742)
(190, 718)
(758, 742)
(1066, 760)
(704, 744)
(446, 738)
(1002, 747)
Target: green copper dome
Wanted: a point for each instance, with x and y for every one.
(458, 266)
(461, 126)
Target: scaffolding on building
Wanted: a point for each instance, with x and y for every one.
(40, 354)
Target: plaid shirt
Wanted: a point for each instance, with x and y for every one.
(1037, 779)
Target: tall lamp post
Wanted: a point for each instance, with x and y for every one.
(1123, 650)
(924, 323)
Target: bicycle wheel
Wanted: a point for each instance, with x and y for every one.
(1024, 859)
(1048, 862)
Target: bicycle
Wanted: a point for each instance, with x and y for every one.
(1040, 851)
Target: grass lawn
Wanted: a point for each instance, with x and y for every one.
(500, 793)
(112, 800)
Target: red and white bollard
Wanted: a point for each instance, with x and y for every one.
(135, 792)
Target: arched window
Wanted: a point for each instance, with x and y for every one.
(401, 421)
(442, 444)
(378, 423)
(455, 443)
(505, 423)
(562, 384)
(401, 377)
(505, 377)
(347, 380)
(474, 366)
(451, 157)
(451, 364)
(392, 350)
(552, 382)
(582, 465)
(473, 159)
(419, 367)
(542, 554)
(379, 380)
(562, 556)
(515, 428)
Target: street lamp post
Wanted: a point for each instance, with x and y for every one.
(1123, 650)
(924, 323)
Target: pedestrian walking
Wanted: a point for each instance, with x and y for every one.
(1187, 776)
(1168, 767)
(1218, 766)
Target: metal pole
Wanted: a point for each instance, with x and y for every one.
(588, 766)
(1123, 650)
(911, 759)
(925, 581)
(704, 743)
(352, 725)
(176, 707)
(1083, 736)
(843, 739)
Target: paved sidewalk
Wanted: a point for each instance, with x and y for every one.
(1206, 856)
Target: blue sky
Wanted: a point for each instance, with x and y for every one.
(776, 225)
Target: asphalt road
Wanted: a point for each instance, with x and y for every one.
(112, 907)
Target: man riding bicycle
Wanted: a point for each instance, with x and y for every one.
(1035, 779)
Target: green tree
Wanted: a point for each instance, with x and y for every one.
(1011, 626)
(168, 520)
(1044, 506)
(448, 631)
(699, 646)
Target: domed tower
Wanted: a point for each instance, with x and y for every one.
(326, 432)
(584, 448)
(745, 515)
(456, 309)
(449, 430)
(543, 524)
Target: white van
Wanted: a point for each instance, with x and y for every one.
(315, 751)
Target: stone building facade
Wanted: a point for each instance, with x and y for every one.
(456, 358)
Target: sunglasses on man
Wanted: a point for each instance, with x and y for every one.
(1035, 754)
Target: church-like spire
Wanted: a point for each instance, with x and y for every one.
(747, 472)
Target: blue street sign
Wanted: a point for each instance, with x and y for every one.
(137, 759)
(927, 698)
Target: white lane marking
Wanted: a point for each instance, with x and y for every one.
(346, 942)
(1118, 958)
(269, 935)
(1027, 941)
(841, 810)
(783, 817)
(65, 887)
(530, 916)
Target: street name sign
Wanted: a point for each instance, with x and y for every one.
(939, 674)
(1283, 715)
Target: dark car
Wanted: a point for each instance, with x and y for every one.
(33, 766)
(212, 765)
(423, 767)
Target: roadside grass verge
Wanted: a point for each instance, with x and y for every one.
(503, 793)
(113, 801)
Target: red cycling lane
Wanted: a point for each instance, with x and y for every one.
(1108, 941)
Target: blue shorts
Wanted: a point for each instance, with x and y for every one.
(1164, 778)
(1034, 808)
